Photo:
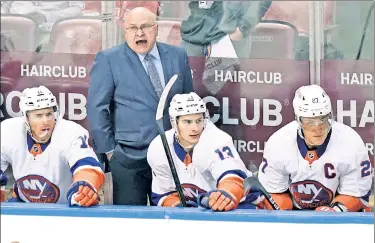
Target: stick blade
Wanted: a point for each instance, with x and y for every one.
(163, 97)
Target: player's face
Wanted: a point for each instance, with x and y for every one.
(190, 128)
(42, 123)
(315, 129)
(140, 32)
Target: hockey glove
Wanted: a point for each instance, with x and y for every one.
(335, 207)
(255, 198)
(82, 193)
(226, 197)
(15, 196)
(351, 204)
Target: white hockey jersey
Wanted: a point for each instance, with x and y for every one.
(340, 165)
(47, 176)
(213, 157)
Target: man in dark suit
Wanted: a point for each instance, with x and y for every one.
(126, 82)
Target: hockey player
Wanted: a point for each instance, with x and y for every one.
(206, 161)
(50, 156)
(315, 163)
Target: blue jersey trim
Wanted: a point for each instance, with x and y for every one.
(90, 161)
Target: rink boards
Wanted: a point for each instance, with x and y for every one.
(39, 223)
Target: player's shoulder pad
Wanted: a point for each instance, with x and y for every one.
(12, 126)
(282, 140)
(12, 122)
(214, 137)
(353, 141)
(344, 131)
(69, 130)
(155, 152)
(287, 133)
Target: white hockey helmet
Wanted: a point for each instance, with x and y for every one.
(311, 101)
(186, 104)
(37, 98)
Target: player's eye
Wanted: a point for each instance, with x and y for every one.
(187, 122)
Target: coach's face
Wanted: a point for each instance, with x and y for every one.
(140, 30)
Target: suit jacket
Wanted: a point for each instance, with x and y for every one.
(122, 101)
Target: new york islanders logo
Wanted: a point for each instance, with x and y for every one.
(37, 189)
(191, 191)
(310, 194)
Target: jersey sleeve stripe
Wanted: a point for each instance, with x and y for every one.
(239, 173)
(87, 162)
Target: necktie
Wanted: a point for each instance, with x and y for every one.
(153, 74)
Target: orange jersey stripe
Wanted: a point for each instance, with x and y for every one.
(95, 177)
(2, 195)
(282, 199)
(353, 204)
(171, 200)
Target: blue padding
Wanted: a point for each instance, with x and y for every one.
(109, 211)
(142, 212)
(248, 215)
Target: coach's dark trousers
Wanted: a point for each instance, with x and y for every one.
(131, 179)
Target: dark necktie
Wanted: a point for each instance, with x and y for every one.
(153, 74)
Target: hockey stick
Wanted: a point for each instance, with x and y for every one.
(253, 181)
(364, 31)
(159, 122)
